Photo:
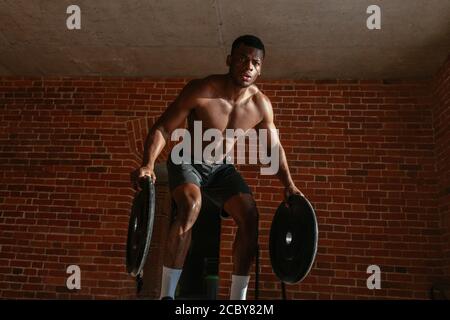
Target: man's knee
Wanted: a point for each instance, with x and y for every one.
(188, 210)
(248, 221)
(248, 213)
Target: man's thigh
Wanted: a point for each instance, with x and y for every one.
(225, 184)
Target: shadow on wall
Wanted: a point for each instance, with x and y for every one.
(199, 279)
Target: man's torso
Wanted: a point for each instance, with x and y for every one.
(215, 111)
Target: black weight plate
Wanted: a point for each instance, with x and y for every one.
(293, 240)
(140, 227)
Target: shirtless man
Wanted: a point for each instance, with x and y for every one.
(219, 101)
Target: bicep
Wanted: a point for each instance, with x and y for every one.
(267, 123)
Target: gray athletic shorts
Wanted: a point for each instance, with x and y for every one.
(218, 182)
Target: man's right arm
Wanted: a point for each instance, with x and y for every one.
(161, 131)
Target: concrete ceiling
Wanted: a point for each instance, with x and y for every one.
(305, 39)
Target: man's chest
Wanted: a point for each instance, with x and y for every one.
(221, 114)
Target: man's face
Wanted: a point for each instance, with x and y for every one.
(245, 65)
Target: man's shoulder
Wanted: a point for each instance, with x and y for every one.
(261, 99)
(263, 104)
(203, 86)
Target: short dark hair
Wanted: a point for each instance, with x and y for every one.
(250, 41)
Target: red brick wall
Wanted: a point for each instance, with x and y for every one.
(67, 148)
(362, 151)
(441, 124)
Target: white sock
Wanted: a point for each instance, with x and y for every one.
(239, 286)
(169, 282)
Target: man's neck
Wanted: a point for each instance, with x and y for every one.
(233, 92)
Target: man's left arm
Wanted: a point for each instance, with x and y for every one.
(274, 143)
